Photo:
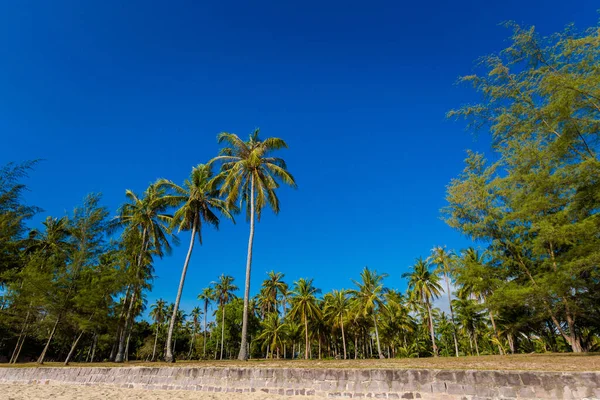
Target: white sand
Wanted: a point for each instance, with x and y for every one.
(72, 392)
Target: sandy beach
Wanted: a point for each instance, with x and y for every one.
(104, 392)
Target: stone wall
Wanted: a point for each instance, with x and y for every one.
(372, 383)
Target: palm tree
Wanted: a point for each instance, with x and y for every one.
(425, 287)
(223, 290)
(273, 286)
(336, 308)
(272, 333)
(53, 241)
(250, 175)
(195, 200)
(470, 317)
(157, 314)
(144, 216)
(207, 295)
(369, 298)
(478, 281)
(196, 313)
(398, 314)
(444, 260)
(305, 306)
(294, 334)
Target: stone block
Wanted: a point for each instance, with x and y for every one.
(438, 387)
(507, 392)
(526, 392)
(530, 378)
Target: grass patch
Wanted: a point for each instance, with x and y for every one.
(529, 362)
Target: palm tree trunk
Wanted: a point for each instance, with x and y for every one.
(431, 330)
(222, 328)
(127, 346)
(43, 355)
(305, 337)
(192, 340)
(496, 332)
(381, 356)
(169, 356)
(94, 343)
(355, 346)
(343, 335)
(129, 318)
(243, 356)
(120, 325)
(319, 347)
(73, 348)
(16, 358)
(124, 333)
(471, 343)
(22, 335)
(475, 340)
(451, 313)
(205, 311)
(155, 341)
(511, 343)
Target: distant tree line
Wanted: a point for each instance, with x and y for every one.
(73, 290)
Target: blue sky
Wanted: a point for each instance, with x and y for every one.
(113, 95)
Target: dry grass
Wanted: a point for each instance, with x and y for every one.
(531, 362)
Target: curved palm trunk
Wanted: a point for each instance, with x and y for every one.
(155, 341)
(73, 348)
(205, 311)
(451, 313)
(169, 356)
(343, 335)
(305, 337)
(222, 329)
(243, 347)
(22, 336)
(377, 336)
(16, 358)
(431, 331)
(43, 355)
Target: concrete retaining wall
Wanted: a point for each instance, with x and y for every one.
(373, 383)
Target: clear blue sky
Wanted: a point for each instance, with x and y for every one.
(115, 94)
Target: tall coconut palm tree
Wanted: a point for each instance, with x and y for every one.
(250, 175)
(144, 216)
(369, 298)
(444, 261)
(207, 296)
(424, 287)
(157, 313)
(305, 306)
(196, 203)
(224, 289)
(336, 309)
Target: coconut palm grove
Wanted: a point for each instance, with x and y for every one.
(76, 287)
